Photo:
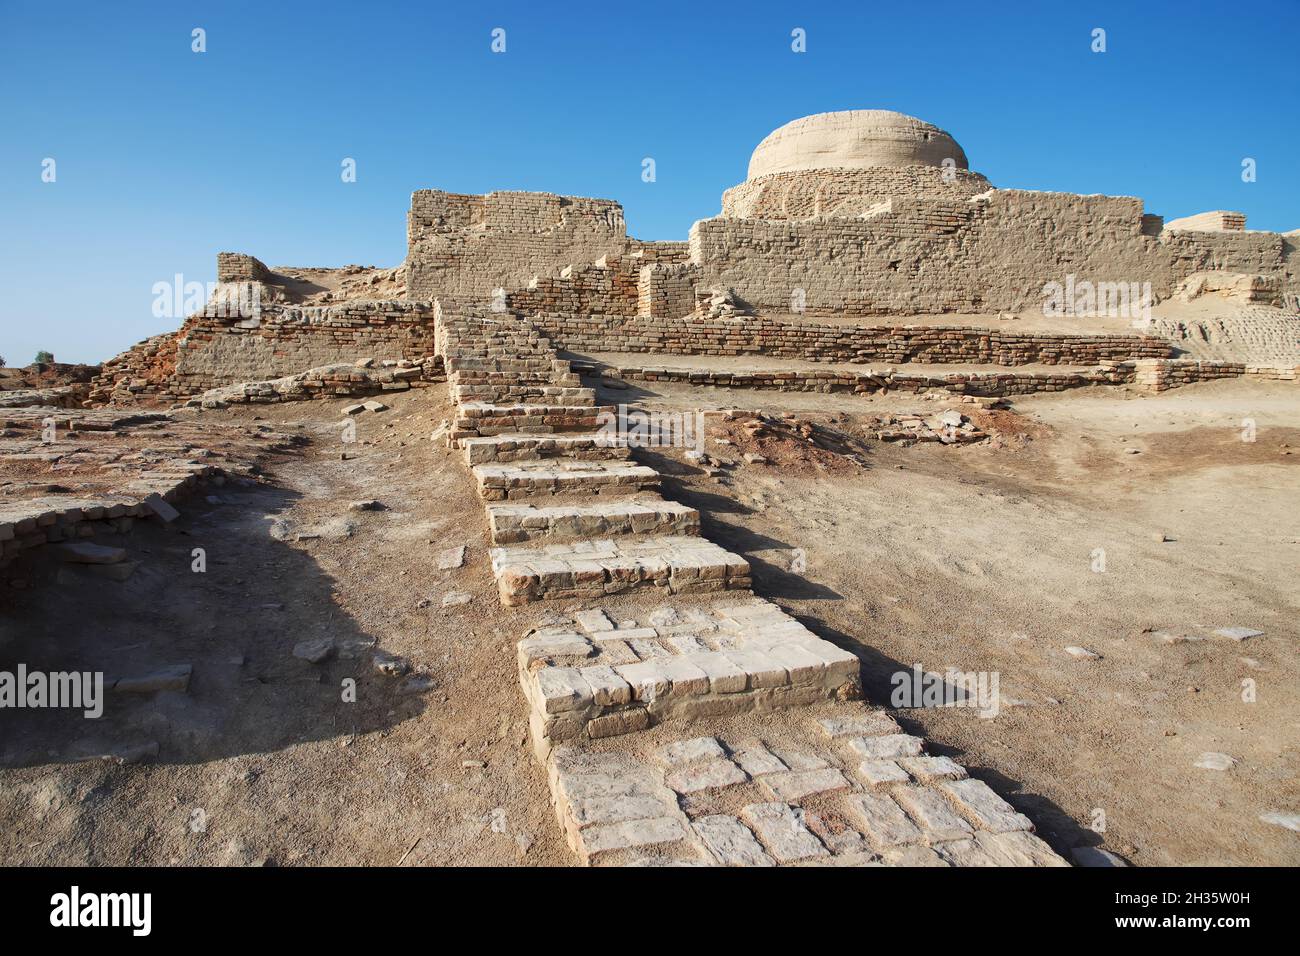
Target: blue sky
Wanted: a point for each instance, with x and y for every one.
(165, 157)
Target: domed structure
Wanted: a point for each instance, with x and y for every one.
(846, 164)
(854, 139)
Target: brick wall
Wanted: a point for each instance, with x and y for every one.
(844, 192)
(1159, 375)
(1215, 221)
(811, 341)
(470, 245)
(991, 252)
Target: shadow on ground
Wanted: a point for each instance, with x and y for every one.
(1053, 823)
(236, 623)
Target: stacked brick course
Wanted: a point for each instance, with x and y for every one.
(817, 342)
(992, 384)
(1159, 375)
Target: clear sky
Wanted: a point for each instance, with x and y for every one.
(165, 157)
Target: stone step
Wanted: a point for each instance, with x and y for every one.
(796, 795)
(559, 476)
(521, 378)
(516, 523)
(538, 364)
(584, 446)
(509, 393)
(487, 418)
(589, 678)
(678, 564)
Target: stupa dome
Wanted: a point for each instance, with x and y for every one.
(854, 139)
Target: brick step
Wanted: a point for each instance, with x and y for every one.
(590, 678)
(540, 363)
(800, 794)
(585, 446)
(559, 476)
(678, 564)
(523, 377)
(494, 351)
(487, 418)
(516, 523)
(517, 394)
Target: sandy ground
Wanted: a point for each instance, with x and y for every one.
(978, 557)
(981, 558)
(262, 761)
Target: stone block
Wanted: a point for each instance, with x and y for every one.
(730, 842)
(794, 786)
(783, 832)
(884, 822)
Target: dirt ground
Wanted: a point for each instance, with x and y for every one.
(262, 761)
(979, 557)
(982, 558)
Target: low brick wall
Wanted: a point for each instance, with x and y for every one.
(34, 522)
(990, 384)
(330, 381)
(816, 342)
(1160, 375)
(284, 340)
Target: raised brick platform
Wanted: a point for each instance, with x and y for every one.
(516, 523)
(739, 799)
(484, 418)
(679, 564)
(594, 446)
(528, 479)
(517, 393)
(591, 679)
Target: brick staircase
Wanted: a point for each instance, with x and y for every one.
(612, 703)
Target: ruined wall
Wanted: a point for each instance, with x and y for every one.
(991, 384)
(1215, 220)
(844, 192)
(286, 340)
(606, 288)
(811, 341)
(468, 246)
(991, 252)
(241, 267)
(666, 291)
(1159, 375)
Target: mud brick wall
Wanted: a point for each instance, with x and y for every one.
(990, 252)
(1266, 253)
(666, 291)
(1159, 375)
(594, 290)
(948, 248)
(145, 371)
(1219, 219)
(468, 246)
(285, 340)
(643, 253)
(990, 384)
(614, 286)
(810, 341)
(844, 192)
(238, 267)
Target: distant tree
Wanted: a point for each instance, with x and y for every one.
(44, 358)
(2, 361)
